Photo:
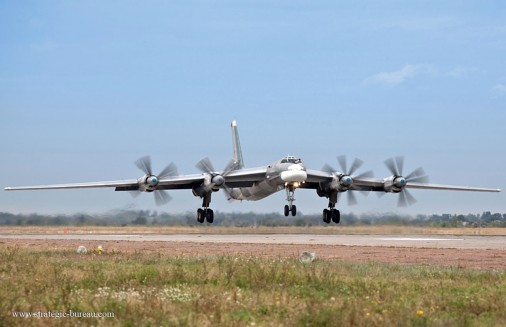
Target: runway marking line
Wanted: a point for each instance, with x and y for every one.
(418, 239)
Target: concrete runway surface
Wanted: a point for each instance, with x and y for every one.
(414, 241)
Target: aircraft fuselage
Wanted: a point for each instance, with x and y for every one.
(288, 171)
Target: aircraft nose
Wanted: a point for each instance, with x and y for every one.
(294, 173)
(296, 167)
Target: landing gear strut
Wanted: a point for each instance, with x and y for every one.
(290, 207)
(205, 213)
(331, 214)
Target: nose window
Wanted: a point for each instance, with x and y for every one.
(291, 160)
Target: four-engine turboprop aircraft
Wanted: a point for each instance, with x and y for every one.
(288, 173)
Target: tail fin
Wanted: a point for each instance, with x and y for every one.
(237, 146)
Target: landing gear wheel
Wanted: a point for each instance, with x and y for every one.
(294, 210)
(200, 215)
(287, 210)
(326, 216)
(336, 216)
(210, 216)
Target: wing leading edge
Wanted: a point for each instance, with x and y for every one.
(122, 183)
(450, 187)
(315, 177)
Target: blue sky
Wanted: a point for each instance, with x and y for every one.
(88, 87)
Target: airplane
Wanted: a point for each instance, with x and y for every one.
(252, 184)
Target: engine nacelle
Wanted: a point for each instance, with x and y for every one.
(339, 183)
(394, 184)
(148, 183)
(218, 180)
(210, 184)
(345, 181)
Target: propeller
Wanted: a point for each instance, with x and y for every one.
(396, 166)
(219, 179)
(357, 163)
(151, 181)
(346, 180)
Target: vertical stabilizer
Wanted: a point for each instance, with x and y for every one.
(237, 146)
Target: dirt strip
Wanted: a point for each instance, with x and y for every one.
(460, 258)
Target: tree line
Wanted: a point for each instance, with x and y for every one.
(148, 217)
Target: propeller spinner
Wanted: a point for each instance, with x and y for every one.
(397, 182)
(149, 182)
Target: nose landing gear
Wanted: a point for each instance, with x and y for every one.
(290, 207)
(293, 210)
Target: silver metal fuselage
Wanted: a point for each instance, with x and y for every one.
(279, 174)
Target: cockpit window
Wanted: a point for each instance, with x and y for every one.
(292, 160)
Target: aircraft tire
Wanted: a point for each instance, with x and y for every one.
(294, 210)
(200, 215)
(326, 216)
(210, 216)
(287, 210)
(336, 216)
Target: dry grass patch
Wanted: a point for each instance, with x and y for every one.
(162, 290)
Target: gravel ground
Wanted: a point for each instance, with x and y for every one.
(459, 258)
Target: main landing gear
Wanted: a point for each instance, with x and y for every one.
(205, 213)
(331, 214)
(290, 207)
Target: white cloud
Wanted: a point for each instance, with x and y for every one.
(410, 71)
(498, 90)
(460, 72)
(398, 77)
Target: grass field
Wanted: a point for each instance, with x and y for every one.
(159, 290)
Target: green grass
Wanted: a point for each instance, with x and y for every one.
(158, 290)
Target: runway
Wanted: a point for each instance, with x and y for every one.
(411, 241)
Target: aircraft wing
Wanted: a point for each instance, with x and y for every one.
(121, 183)
(450, 187)
(245, 177)
(315, 177)
(236, 178)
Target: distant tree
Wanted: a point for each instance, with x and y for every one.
(140, 221)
